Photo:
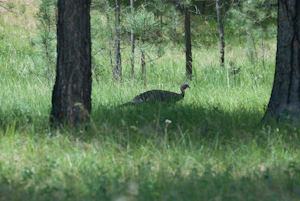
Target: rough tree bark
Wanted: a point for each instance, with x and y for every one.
(221, 34)
(132, 44)
(117, 67)
(285, 95)
(188, 44)
(71, 97)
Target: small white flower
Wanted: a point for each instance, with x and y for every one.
(167, 121)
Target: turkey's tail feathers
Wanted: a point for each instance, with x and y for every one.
(126, 104)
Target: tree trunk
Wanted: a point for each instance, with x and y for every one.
(262, 47)
(143, 59)
(109, 44)
(250, 47)
(285, 95)
(143, 63)
(132, 45)
(117, 68)
(221, 34)
(71, 98)
(161, 22)
(188, 45)
(203, 7)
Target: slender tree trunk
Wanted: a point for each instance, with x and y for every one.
(173, 27)
(132, 45)
(143, 59)
(161, 22)
(221, 34)
(71, 97)
(262, 48)
(203, 7)
(143, 63)
(49, 60)
(285, 95)
(188, 44)
(250, 47)
(109, 43)
(117, 68)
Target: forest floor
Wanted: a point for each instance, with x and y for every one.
(216, 147)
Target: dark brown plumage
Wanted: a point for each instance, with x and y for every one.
(158, 96)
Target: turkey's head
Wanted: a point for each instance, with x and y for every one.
(184, 86)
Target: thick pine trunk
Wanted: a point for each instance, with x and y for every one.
(221, 34)
(132, 45)
(71, 98)
(188, 44)
(285, 95)
(117, 68)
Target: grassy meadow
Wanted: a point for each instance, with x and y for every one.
(215, 149)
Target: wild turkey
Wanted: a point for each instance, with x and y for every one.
(158, 96)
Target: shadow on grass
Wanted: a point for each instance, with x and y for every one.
(22, 120)
(198, 121)
(198, 125)
(148, 121)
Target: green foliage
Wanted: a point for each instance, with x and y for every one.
(255, 21)
(253, 15)
(173, 25)
(143, 24)
(46, 39)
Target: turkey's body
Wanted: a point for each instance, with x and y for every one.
(158, 96)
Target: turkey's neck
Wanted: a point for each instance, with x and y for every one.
(182, 92)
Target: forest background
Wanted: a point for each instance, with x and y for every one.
(214, 149)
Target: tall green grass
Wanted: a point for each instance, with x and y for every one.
(215, 148)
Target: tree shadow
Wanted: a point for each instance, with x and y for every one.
(198, 121)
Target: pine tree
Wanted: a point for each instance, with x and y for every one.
(256, 20)
(46, 38)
